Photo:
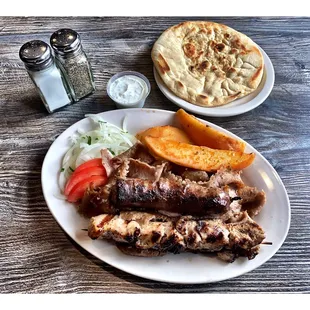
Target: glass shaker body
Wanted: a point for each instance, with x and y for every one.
(73, 61)
(52, 87)
(46, 76)
(78, 73)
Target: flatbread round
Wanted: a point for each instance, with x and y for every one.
(207, 64)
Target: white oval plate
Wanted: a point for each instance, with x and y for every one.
(184, 268)
(236, 107)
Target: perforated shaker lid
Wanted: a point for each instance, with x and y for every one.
(65, 41)
(36, 55)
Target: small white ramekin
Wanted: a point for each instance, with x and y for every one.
(138, 104)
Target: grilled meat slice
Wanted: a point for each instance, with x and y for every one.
(182, 197)
(195, 175)
(142, 170)
(226, 177)
(137, 151)
(252, 200)
(248, 199)
(107, 161)
(139, 232)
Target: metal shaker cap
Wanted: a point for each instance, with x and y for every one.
(65, 41)
(36, 55)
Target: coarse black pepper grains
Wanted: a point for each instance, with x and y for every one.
(73, 61)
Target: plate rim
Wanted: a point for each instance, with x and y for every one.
(137, 272)
(219, 111)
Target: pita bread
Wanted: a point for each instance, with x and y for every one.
(207, 64)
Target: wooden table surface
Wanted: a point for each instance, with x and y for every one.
(36, 256)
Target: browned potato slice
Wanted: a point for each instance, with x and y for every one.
(168, 132)
(197, 157)
(204, 135)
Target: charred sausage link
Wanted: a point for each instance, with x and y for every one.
(169, 195)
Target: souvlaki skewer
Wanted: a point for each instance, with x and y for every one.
(146, 234)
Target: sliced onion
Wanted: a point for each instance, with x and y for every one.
(87, 145)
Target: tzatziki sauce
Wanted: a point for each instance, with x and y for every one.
(128, 89)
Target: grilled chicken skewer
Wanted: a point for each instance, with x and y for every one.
(145, 234)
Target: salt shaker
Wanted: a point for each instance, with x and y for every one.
(72, 59)
(42, 69)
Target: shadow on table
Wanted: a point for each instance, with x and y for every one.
(154, 286)
(35, 104)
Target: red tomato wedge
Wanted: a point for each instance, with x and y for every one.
(78, 176)
(96, 162)
(79, 189)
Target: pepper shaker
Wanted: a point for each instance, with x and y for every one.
(43, 71)
(72, 59)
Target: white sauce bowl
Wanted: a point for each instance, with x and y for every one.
(120, 99)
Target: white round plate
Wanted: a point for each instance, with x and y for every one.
(186, 268)
(238, 106)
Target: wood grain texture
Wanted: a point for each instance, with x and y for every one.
(36, 256)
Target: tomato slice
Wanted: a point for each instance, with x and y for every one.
(79, 189)
(83, 174)
(96, 162)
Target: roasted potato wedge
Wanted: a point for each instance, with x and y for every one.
(167, 132)
(197, 157)
(204, 135)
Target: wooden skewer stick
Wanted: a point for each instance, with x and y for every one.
(267, 243)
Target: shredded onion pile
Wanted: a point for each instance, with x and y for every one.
(87, 145)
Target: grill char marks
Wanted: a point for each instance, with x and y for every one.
(170, 195)
(245, 234)
(206, 213)
(203, 235)
(148, 233)
(137, 185)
